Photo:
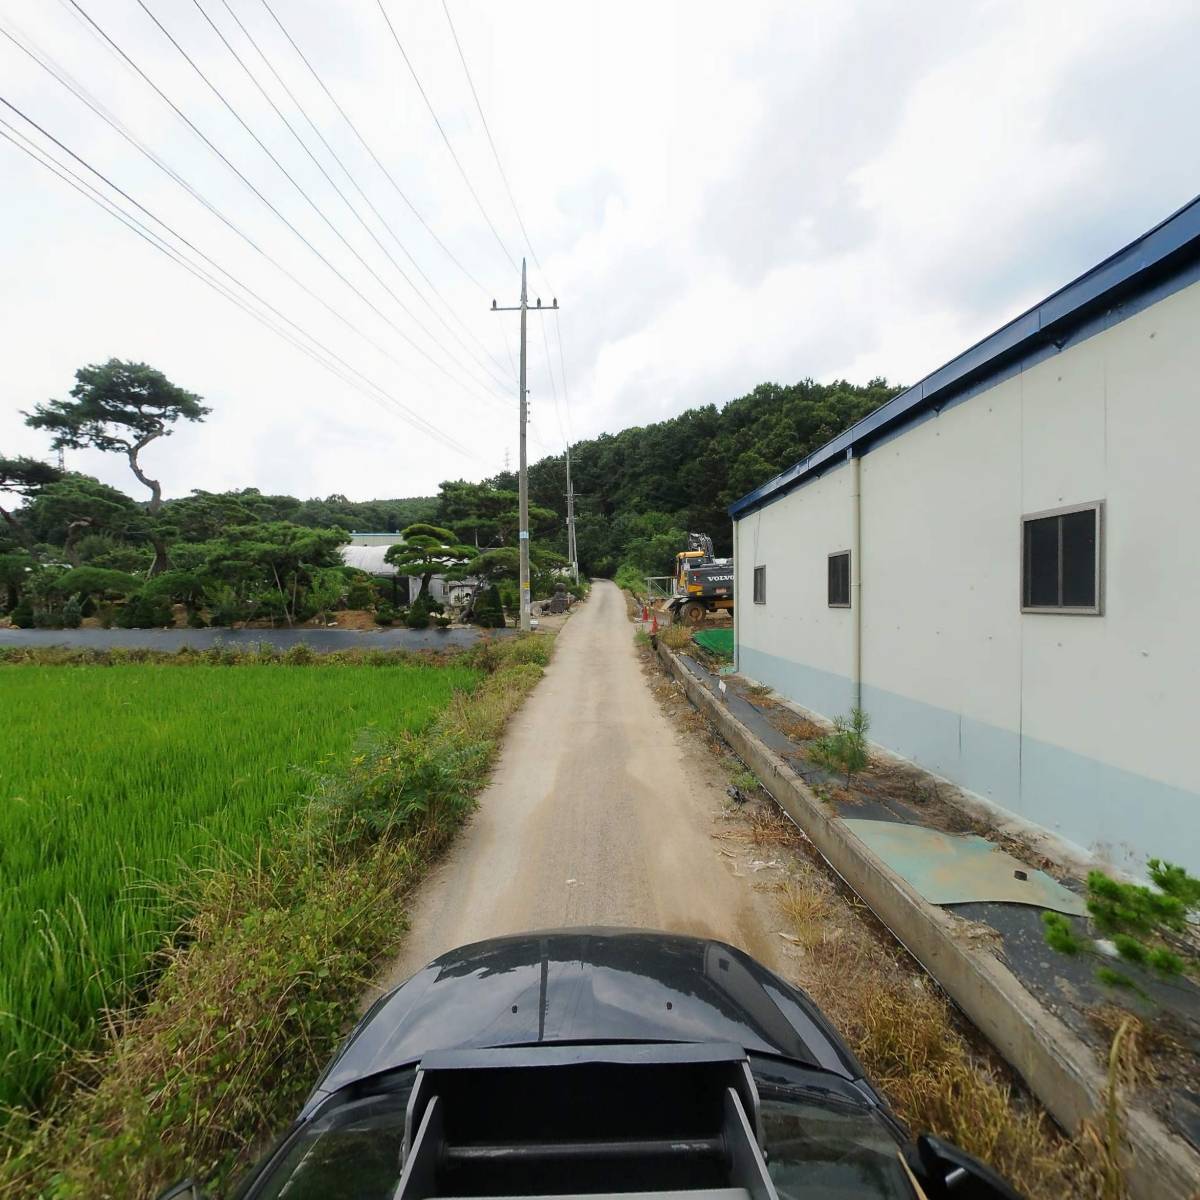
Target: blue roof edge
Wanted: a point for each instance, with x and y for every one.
(1121, 274)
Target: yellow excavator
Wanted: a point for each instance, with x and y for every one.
(702, 584)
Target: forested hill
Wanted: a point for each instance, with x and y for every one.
(642, 487)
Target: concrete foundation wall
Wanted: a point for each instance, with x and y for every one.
(1078, 723)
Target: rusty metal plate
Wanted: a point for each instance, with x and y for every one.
(955, 869)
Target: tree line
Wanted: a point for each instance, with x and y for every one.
(642, 489)
(75, 546)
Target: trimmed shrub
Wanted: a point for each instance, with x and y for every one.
(72, 613)
(22, 615)
(489, 612)
(226, 607)
(96, 581)
(362, 594)
(385, 614)
(145, 612)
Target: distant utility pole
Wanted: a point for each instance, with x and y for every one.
(572, 550)
(523, 309)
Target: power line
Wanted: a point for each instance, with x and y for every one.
(147, 235)
(81, 93)
(491, 141)
(461, 169)
(562, 370)
(354, 182)
(462, 58)
(305, 196)
(367, 147)
(349, 204)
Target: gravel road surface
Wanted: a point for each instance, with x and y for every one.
(596, 815)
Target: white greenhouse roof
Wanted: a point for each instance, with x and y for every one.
(369, 559)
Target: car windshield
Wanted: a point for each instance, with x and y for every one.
(818, 1148)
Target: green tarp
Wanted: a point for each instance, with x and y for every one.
(716, 641)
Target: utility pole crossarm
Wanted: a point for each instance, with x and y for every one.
(523, 476)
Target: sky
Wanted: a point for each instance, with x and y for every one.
(718, 195)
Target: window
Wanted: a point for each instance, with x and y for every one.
(839, 580)
(1060, 560)
(760, 585)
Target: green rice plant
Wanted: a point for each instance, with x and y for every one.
(259, 986)
(120, 785)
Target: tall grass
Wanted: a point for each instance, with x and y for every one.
(118, 785)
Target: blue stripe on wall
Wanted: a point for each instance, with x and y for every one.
(1121, 816)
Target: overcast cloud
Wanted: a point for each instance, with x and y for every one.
(719, 194)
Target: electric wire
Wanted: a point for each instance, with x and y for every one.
(81, 93)
(562, 370)
(445, 138)
(491, 141)
(305, 196)
(354, 211)
(462, 58)
(74, 180)
(267, 61)
(370, 151)
(362, 141)
(248, 183)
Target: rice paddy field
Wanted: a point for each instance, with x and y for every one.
(119, 783)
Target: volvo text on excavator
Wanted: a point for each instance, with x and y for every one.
(702, 584)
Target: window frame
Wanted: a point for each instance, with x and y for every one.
(1065, 610)
(755, 578)
(849, 579)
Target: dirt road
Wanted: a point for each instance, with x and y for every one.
(595, 816)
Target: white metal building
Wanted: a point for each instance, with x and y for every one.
(1002, 564)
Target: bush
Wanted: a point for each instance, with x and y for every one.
(630, 578)
(845, 749)
(22, 615)
(196, 621)
(442, 622)
(47, 618)
(96, 581)
(226, 607)
(1140, 921)
(418, 617)
(145, 611)
(362, 594)
(489, 612)
(72, 613)
(385, 614)
(270, 606)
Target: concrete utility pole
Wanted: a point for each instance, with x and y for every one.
(572, 549)
(523, 486)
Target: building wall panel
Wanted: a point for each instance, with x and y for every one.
(1078, 723)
